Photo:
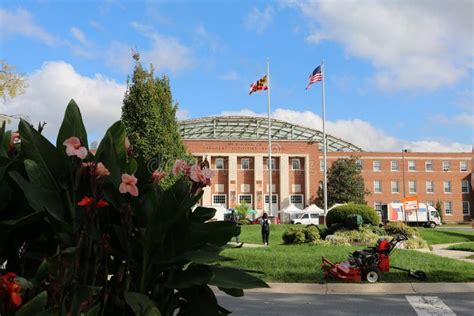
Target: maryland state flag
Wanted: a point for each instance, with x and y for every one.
(260, 85)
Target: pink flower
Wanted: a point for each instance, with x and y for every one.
(14, 137)
(180, 166)
(158, 175)
(73, 148)
(129, 184)
(101, 170)
(201, 175)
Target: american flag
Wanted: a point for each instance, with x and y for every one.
(315, 76)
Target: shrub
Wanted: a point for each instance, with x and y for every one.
(300, 234)
(365, 236)
(396, 228)
(416, 243)
(338, 240)
(339, 214)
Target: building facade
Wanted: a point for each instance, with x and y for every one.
(236, 148)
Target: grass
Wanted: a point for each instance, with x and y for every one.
(301, 263)
(445, 236)
(468, 246)
(470, 257)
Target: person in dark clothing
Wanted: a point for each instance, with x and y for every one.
(236, 219)
(265, 223)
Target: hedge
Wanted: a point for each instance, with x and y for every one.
(339, 214)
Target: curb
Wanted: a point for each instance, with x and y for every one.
(366, 289)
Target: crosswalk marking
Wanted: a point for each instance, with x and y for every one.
(429, 306)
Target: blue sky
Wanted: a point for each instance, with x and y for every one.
(398, 74)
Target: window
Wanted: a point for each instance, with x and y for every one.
(245, 187)
(395, 187)
(219, 199)
(446, 165)
(429, 187)
(296, 199)
(428, 165)
(463, 165)
(296, 188)
(447, 186)
(377, 186)
(394, 165)
(219, 187)
(466, 209)
(359, 164)
(245, 163)
(378, 206)
(465, 186)
(219, 163)
(245, 198)
(274, 198)
(412, 186)
(376, 165)
(295, 164)
(273, 164)
(411, 165)
(314, 215)
(448, 208)
(321, 165)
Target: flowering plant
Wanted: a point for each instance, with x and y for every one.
(98, 235)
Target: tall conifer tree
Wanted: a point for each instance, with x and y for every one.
(149, 116)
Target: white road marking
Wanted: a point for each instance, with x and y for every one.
(429, 306)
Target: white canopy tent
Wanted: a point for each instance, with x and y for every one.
(289, 212)
(313, 209)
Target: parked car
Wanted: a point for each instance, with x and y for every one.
(310, 218)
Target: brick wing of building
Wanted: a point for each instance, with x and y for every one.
(236, 148)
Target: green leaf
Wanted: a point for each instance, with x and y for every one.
(38, 174)
(106, 154)
(233, 292)
(217, 233)
(94, 310)
(234, 278)
(4, 141)
(36, 305)
(72, 126)
(141, 304)
(195, 274)
(207, 254)
(202, 214)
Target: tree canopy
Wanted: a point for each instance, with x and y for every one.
(345, 183)
(149, 116)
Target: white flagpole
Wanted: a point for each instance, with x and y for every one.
(323, 79)
(269, 146)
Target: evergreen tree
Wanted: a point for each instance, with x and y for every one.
(345, 183)
(149, 117)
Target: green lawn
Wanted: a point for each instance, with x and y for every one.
(445, 236)
(468, 246)
(301, 263)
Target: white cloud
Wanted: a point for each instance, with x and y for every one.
(50, 90)
(21, 22)
(166, 52)
(412, 44)
(230, 76)
(357, 132)
(257, 20)
(465, 119)
(204, 38)
(79, 35)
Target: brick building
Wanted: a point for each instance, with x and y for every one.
(236, 148)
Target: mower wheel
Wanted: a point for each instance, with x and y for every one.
(371, 275)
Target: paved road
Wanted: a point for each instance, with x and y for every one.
(311, 304)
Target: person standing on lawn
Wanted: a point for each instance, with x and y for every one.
(265, 223)
(236, 219)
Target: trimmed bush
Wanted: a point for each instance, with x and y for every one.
(339, 214)
(312, 234)
(364, 236)
(396, 228)
(301, 234)
(416, 243)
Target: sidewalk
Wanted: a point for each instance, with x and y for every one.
(366, 289)
(440, 250)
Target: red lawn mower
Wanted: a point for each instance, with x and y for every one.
(368, 264)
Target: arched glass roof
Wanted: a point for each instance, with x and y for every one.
(256, 128)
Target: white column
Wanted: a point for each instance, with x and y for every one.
(232, 177)
(307, 184)
(207, 196)
(284, 182)
(258, 176)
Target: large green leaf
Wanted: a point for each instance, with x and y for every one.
(217, 233)
(106, 154)
(40, 198)
(234, 278)
(207, 254)
(39, 149)
(4, 141)
(195, 274)
(202, 214)
(36, 305)
(117, 136)
(233, 292)
(72, 126)
(37, 175)
(141, 304)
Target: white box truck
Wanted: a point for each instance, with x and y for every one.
(425, 215)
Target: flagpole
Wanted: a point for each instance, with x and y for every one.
(270, 196)
(323, 79)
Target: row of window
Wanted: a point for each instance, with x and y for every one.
(448, 207)
(394, 165)
(395, 186)
(245, 163)
(221, 199)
